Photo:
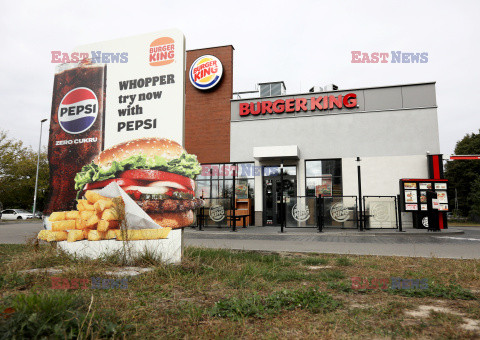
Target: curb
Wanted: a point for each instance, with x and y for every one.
(28, 221)
(451, 231)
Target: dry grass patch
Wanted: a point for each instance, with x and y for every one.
(239, 294)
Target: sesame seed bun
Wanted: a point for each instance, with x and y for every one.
(149, 147)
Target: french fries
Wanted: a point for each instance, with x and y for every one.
(104, 225)
(86, 222)
(52, 236)
(86, 214)
(143, 234)
(85, 233)
(92, 221)
(112, 233)
(109, 215)
(57, 216)
(63, 225)
(75, 235)
(92, 197)
(103, 204)
(72, 215)
(96, 218)
(80, 223)
(95, 235)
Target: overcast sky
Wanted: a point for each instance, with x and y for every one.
(303, 43)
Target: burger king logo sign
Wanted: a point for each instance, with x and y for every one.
(162, 51)
(78, 110)
(206, 72)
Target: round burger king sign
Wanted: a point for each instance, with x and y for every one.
(206, 72)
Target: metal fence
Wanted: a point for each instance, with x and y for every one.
(214, 212)
(340, 212)
(381, 212)
(301, 212)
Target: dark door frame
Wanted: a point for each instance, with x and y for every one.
(275, 181)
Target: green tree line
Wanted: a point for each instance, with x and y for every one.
(18, 166)
(464, 176)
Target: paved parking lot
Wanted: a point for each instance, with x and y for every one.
(455, 243)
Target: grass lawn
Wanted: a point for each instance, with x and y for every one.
(223, 294)
(463, 224)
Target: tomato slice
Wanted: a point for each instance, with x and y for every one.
(135, 194)
(123, 182)
(157, 175)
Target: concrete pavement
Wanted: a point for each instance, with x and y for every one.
(451, 243)
(18, 232)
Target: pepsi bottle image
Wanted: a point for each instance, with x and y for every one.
(76, 128)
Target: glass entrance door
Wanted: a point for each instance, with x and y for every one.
(272, 196)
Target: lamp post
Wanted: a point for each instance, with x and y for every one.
(360, 193)
(282, 215)
(38, 165)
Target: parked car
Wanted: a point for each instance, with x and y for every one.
(16, 214)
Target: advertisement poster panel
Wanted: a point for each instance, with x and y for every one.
(324, 187)
(117, 121)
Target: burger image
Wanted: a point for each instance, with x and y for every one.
(156, 172)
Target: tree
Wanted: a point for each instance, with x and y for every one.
(462, 174)
(474, 199)
(18, 166)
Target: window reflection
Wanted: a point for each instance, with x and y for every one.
(325, 176)
(216, 180)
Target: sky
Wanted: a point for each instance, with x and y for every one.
(303, 43)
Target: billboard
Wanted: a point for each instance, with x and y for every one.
(117, 121)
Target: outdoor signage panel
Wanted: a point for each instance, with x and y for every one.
(324, 186)
(206, 72)
(413, 193)
(298, 104)
(121, 125)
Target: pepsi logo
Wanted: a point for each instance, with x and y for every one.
(206, 72)
(78, 110)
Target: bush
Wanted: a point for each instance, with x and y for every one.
(53, 315)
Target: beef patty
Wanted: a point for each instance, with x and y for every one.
(170, 205)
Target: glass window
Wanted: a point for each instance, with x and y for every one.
(251, 188)
(202, 189)
(227, 190)
(323, 176)
(275, 170)
(265, 90)
(217, 179)
(276, 89)
(246, 170)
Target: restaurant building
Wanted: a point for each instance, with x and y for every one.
(315, 137)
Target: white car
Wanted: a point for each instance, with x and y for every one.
(15, 214)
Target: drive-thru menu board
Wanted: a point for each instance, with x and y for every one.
(413, 194)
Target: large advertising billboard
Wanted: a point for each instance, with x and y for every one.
(117, 120)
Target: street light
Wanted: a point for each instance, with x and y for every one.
(359, 175)
(38, 165)
(282, 213)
